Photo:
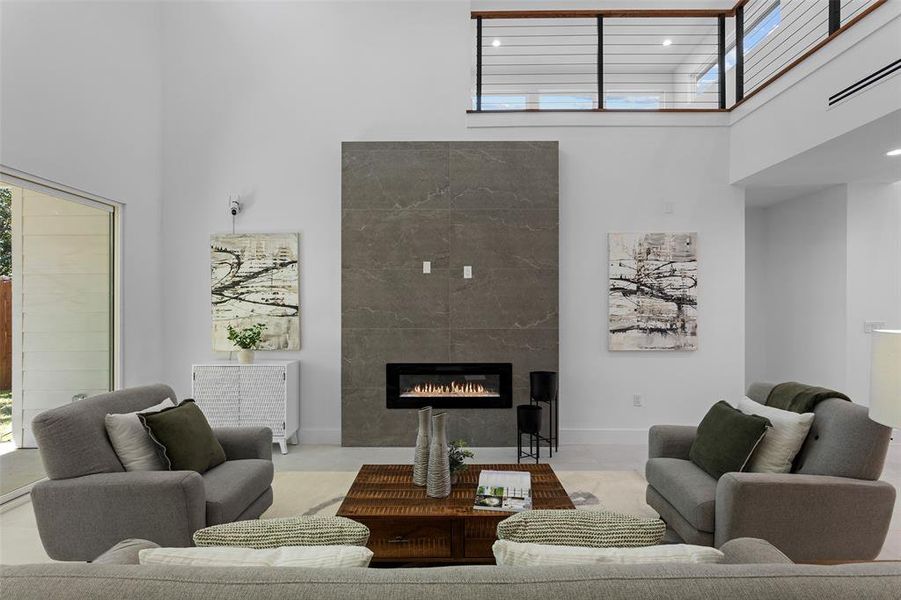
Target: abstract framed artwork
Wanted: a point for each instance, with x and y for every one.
(255, 280)
(653, 291)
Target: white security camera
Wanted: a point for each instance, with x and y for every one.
(234, 207)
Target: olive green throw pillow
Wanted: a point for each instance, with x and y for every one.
(184, 437)
(726, 439)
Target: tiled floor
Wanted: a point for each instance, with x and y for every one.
(19, 542)
(19, 468)
(599, 457)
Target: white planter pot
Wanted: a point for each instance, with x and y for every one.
(245, 357)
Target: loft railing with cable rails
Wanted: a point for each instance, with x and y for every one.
(675, 60)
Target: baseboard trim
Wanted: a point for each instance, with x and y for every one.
(321, 436)
(603, 436)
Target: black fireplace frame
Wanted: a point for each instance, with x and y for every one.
(504, 371)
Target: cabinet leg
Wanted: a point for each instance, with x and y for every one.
(283, 445)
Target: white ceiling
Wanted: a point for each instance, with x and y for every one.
(857, 156)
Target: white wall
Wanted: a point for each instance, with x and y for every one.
(817, 269)
(793, 114)
(874, 273)
(258, 97)
(756, 293)
(804, 289)
(80, 105)
(617, 179)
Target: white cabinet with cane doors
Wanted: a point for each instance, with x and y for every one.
(265, 393)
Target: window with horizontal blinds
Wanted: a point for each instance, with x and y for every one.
(63, 302)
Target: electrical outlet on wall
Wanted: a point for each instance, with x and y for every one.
(637, 400)
(467, 272)
(669, 208)
(426, 266)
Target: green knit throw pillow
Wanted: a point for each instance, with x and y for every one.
(293, 531)
(592, 529)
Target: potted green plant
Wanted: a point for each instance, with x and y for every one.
(247, 339)
(457, 453)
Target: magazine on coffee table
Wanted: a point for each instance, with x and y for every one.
(504, 491)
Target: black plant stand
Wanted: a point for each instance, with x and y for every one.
(544, 391)
(528, 421)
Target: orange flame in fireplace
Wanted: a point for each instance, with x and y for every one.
(452, 389)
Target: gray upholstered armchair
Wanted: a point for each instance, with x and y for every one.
(831, 507)
(90, 502)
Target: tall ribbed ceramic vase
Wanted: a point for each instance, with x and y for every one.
(439, 485)
(423, 438)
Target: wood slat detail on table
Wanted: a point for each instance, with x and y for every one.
(406, 526)
(388, 490)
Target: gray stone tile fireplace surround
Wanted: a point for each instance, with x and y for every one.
(490, 205)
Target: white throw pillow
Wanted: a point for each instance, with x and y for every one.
(782, 441)
(132, 443)
(310, 557)
(519, 554)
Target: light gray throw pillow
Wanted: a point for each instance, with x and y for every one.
(133, 446)
(777, 450)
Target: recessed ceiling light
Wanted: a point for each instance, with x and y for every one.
(895, 152)
(667, 42)
(496, 43)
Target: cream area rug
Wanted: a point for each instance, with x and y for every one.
(321, 492)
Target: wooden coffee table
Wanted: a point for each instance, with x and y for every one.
(406, 526)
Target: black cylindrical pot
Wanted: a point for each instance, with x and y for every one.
(543, 386)
(528, 418)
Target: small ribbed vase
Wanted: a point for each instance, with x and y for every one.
(439, 485)
(421, 457)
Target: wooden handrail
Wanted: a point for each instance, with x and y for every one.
(591, 14)
(610, 12)
(662, 13)
(808, 53)
(597, 110)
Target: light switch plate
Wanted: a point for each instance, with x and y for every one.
(669, 208)
(871, 326)
(467, 272)
(426, 266)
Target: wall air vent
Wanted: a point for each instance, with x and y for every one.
(865, 83)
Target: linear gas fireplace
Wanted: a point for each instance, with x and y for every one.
(449, 385)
